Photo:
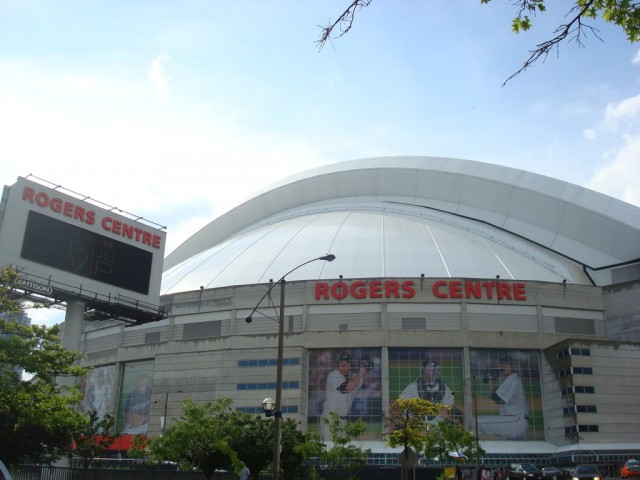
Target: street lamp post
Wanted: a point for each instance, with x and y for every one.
(474, 395)
(270, 407)
(166, 403)
(475, 416)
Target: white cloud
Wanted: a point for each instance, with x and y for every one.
(157, 75)
(621, 176)
(46, 316)
(636, 59)
(627, 109)
(590, 133)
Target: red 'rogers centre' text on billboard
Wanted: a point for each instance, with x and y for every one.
(81, 214)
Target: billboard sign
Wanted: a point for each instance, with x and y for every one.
(52, 237)
(347, 382)
(509, 394)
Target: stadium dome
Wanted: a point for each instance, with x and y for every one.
(413, 216)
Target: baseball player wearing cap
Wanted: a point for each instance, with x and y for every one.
(513, 421)
(341, 388)
(429, 386)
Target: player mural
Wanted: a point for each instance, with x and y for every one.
(433, 374)
(99, 390)
(509, 399)
(348, 383)
(135, 398)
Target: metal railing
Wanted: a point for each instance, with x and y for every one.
(35, 472)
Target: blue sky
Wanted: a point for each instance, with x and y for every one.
(176, 111)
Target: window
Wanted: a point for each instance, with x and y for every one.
(585, 352)
(269, 362)
(584, 389)
(577, 389)
(585, 408)
(266, 385)
(565, 372)
(581, 428)
(579, 409)
(582, 370)
(588, 428)
(573, 351)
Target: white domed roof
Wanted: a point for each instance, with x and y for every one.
(406, 217)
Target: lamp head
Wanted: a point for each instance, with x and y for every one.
(329, 257)
(268, 405)
(248, 319)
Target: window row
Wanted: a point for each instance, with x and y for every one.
(267, 385)
(578, 389)
(579, 409)
(573, 351)
(565, 372)
(581, 428)
(268, 362)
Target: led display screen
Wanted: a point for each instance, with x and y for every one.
(82, 252)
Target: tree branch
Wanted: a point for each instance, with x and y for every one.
(344, 22)
(574, 27)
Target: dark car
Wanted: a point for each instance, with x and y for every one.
(525, 471)
(555, 473)
(587, 472)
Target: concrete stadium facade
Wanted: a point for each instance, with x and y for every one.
(438, 260)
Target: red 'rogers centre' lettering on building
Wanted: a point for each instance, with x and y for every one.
(445, 289)
(81, 214)
(362, 289)
(488, 289)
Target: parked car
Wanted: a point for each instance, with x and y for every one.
(555, 473)
(4, 472)
(587, 472)
(630, 469)
(524, 471)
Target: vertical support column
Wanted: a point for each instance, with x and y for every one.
(72, 333)
(73, 322)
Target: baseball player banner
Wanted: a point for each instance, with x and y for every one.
(346, 382)
(135, 398)
(433, 374)
(98, 389)
(509, 399)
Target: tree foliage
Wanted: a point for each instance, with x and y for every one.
(214, 435)
(254, 441)
(409, 428)
(37, 416)
(341, 458)
(94, 436)
(623, 13)
(445, 437)
(292, 456)
(407, 425)
(201, 439)
(139, 448)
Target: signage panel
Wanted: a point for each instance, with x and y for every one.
(77, 250)
(54, 238)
